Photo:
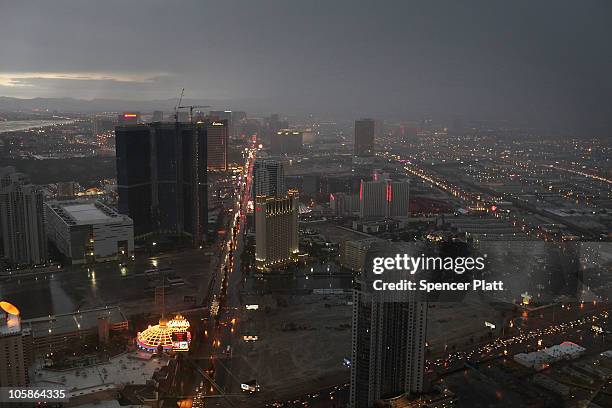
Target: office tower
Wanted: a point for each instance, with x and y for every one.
(158, 116)
(22, 219)
(128, 118)
(384, 198)
(225, 115)
(388, 338)
(161, 178)
(276, 235)
(14, 355)
(89, 231)
(217, 132)
(364, 137)
(286, 141)
(268, 178)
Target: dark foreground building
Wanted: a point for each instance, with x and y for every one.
(162, 178)
(388, 338)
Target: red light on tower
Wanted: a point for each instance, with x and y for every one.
(389, 192)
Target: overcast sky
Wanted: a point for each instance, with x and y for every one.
(478, 58)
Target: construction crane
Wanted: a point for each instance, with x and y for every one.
(176, 107)
(191, 108)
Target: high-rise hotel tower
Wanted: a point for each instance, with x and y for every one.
(276, 235)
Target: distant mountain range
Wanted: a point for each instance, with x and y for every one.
(116, 105)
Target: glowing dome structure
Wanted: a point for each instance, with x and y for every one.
(172, 335)
(10, 317)
(9, 308)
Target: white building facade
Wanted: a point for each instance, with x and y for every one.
(89, 231)
(384, 199)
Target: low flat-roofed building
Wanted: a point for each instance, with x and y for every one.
(128, 374)
(88, 231)
(567, 350)
(55, 332)
(538, 360)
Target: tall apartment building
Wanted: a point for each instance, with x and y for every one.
(364, 137)
(162, 178)
(384, 199)
(22, 220)
(372, 199)
(217, 132)
(14, 349)
(388, 339)
(398, 198)
(268, 178)
(276, 235)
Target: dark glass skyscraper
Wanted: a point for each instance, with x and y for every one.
(162, 178)
(364, 137)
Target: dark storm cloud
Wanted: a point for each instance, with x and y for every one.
(518, 58)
